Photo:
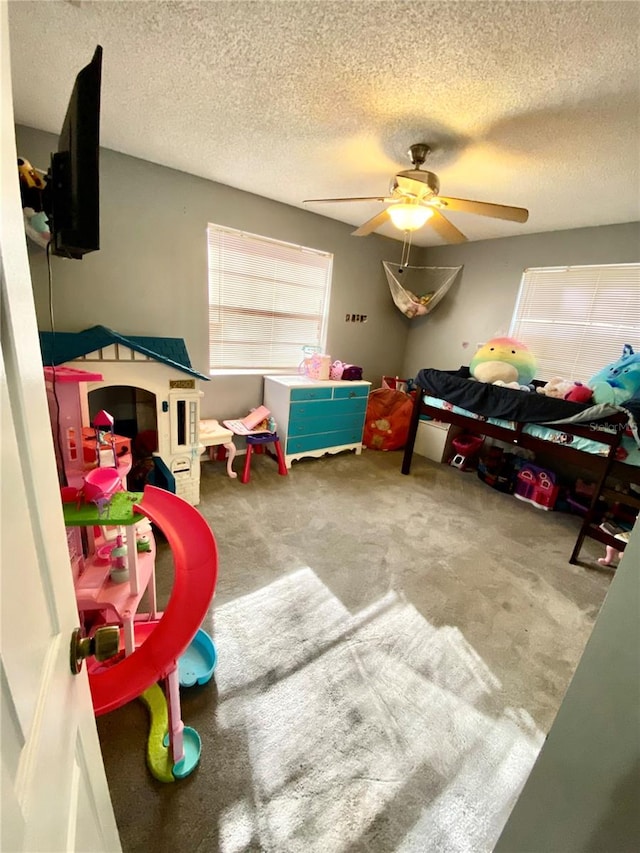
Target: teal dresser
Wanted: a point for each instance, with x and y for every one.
(314, 416)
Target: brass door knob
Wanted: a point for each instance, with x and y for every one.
(104, 644)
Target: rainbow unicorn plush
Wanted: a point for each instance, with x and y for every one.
(618, 381)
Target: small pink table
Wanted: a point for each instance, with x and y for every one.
(212, 434)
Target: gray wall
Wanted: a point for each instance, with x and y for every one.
(583, 792)
(481, 302)
(150, 275)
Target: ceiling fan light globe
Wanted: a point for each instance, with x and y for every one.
(409, 217)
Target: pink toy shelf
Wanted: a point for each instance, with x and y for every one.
(159, 645)
(153, 642)
(94, 586)
(95, 590)
(113, 566)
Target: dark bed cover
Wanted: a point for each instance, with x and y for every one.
(496, 401)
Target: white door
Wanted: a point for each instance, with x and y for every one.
(54, 789)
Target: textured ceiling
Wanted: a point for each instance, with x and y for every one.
(533, 104)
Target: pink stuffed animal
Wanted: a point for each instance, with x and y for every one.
(579, 393)
(566, 389)
(557, 387)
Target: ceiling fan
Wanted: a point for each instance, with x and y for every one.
(414, 199)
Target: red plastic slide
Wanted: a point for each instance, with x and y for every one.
(195, 557)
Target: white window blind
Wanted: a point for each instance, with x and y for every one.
(576, 320)
(267, 300)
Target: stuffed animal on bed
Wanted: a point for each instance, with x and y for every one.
(618, 381)
(556, 387)
(566, 389)
(503, 360)
(580, 394)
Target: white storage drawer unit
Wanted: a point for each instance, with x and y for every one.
(315, 416)
(434, 438)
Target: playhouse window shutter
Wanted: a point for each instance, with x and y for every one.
(576, 320)
(267, 300)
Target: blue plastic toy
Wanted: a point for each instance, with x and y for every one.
(196, 665)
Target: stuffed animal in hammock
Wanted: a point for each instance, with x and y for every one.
(504, 361)
(618, 381)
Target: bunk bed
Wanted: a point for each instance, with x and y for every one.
(603, 441)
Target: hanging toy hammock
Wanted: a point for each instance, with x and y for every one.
(422, 288)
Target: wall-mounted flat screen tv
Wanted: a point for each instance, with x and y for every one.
(72, 195)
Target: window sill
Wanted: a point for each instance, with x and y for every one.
(254, 371)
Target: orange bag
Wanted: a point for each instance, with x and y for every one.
(387, 421)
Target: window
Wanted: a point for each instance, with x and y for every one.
(576, 320)
(267, 300)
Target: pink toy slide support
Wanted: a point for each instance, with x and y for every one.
(195, 557)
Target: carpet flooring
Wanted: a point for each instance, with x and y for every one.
(392, 652)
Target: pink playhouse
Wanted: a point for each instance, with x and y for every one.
(149, 387)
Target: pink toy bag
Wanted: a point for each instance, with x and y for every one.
(340, 370)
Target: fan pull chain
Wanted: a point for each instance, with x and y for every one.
(406, 247)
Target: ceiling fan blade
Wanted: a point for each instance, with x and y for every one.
(484, 208)
(330, 200)
(445, 229)
(371, 224)
(414, 184)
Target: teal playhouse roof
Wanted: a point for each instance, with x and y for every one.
(61, 347)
